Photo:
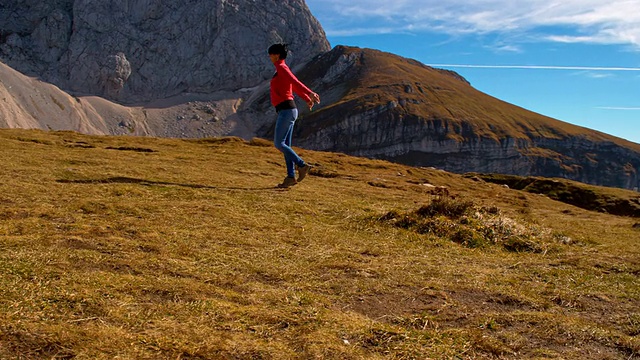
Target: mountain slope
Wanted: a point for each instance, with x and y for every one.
(150, 248)
(29, 103)
(380, 105)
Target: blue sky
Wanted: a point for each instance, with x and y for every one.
(574, 60)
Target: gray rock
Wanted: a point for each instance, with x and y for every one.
(114, 74)
(51, 37)
(14, 40)
(141, 50)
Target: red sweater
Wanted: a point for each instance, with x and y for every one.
(284, 84)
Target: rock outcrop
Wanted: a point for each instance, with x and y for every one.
(142, 50)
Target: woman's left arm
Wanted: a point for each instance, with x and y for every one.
(298, 87)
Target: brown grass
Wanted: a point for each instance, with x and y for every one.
(176, 249)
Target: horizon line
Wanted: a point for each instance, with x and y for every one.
(541, 67)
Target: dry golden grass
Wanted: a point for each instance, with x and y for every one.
(144, 248)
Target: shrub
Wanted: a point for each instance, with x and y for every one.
(468, 238)
(462, 222)
(447, 206)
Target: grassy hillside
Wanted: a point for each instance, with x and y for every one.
(610, 200)
(145, 248)
(377, 78)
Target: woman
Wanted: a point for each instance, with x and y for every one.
(283, 85)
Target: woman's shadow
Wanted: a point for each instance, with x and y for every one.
(130, 180)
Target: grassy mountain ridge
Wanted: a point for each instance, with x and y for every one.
(139, 248)
(381, 105)
(445, 95)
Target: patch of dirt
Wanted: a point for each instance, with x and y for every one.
(404, 302)
(496, 321)
(29, 345)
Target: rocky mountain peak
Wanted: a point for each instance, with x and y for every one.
(141, 50)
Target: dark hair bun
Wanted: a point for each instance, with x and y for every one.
(279, 49)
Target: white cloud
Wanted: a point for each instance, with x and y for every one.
(585, 21)
(596, 75)
(538, 67)
(617, 108)
(508, 48)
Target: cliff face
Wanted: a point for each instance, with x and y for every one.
(142, 50)
(382, 106)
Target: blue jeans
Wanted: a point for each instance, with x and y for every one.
(282, 139)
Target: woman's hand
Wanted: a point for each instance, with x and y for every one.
(315, 99)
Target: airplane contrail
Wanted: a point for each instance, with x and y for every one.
(617, 108)
(544, 67)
